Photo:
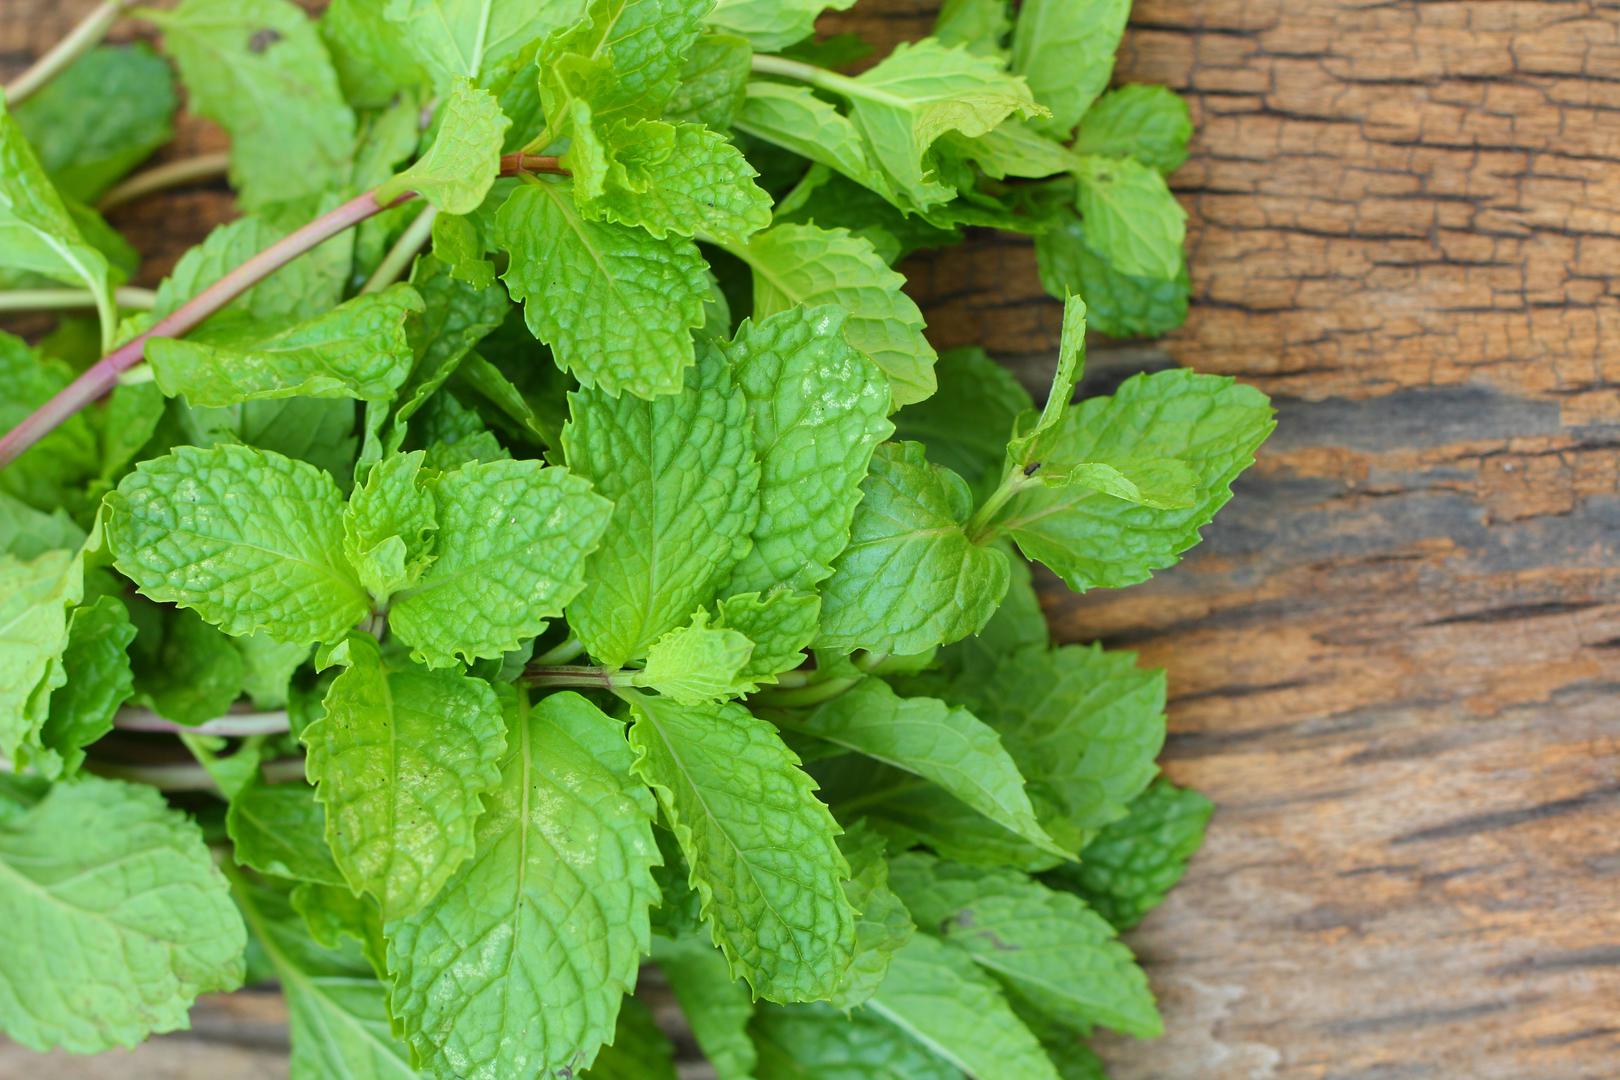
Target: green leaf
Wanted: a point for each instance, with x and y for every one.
(456, 38)
(883, 924)
(34, 599)
(922, 91)
(1065, 49)
(803, 266)
(817, 1042)
(1134, 862)
(509, 555)
(100, 117)
(966, 425)
(458, 245)
(716, 1005)
(1132, 219)
(337, 1011)
(940, 998)
(616, 305)
(368, 52)
(771, 24)
(268, 667)
(28, 533)
(980, 26)
(682, 179)
(461, 165)
(185, 670)
(818, 409)
(258, 68)
(713, 82)
(1210, 425)
(399, 759)
(762, 848)
(308, 287)
(98, 681)
(518, 968)
(696, 663)
(51, 473)
(1014, 148)
(1148, 123)
(625, 58)
(37, 232)
(113, 918)
(928, 738)
(356, 350)
(639, 1051)
(1061, 956)
(1032, 445)
(1085, 726)
(1116, 304)
(250, 540)
(780, 623)
(387, 524)
(280, 829)
(684, 481)
(910, 578)
(794, 118)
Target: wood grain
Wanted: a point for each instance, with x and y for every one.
(1395, 661)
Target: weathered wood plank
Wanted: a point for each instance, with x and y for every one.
(1395, 662)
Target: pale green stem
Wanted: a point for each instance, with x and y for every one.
(398, 260)
(80, 40)
(171, 174)
(186, 777)
(982, 527)
(813, 694)
(127, 296)
(577, 676)
(562, 654)
(798, 70)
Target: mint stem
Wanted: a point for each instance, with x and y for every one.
(125, 296)
(171, 174)
(237, 725)
(100, 377)
(398, 259)
(80, 40)
(563, 675)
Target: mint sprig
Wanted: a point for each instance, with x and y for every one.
(539, 535)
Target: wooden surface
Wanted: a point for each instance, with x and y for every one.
(1395, 663)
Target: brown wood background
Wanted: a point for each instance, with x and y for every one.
(1395, 662)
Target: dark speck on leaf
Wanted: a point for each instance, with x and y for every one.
(962, 920)
(262, 40)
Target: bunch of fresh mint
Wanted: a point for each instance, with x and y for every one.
(496, 472)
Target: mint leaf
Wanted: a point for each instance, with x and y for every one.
(920, 92)
(303, 289)
(625, 58)
(683, 179)
(50, 474)
(1117, 304)
(616, 305)
(257, 68)
(883, 924)
(966, 425)
(250, 540)
(1210, 425)
(280, 829)
(399, 760)
(337, 1012)
(100, 118)
(185, 670)
(910, 578)
(368, 52)
(34, 599)
(1131, 865)
(1032, 445)
(683, 479)
(98, 680)
(37, 231)
(509, 555)
(780, 623)
(518, 968)
(1065, 49)
(771, 24)
(470, 38)
(1132, 219)
(111, 897)
(761, 847)
(639, 1051)
(940, 998)
(818, 409)
(357, 350)
(716, 1005)
(1148, 123)
(462, 163)
(817, 1042)
(1061, 956)
(713, 82)
(980, 26)
(696, 663)
(803, 266)
(794, 118)
(928, 738)
(387, 524)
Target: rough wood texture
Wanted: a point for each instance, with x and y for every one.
(1395, 661)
